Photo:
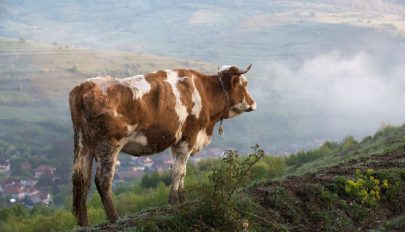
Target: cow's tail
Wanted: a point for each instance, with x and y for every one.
(83, 156)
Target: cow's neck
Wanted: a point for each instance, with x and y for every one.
(218, 106)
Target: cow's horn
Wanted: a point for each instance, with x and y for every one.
(240, 72)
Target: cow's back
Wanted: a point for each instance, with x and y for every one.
(144, 114)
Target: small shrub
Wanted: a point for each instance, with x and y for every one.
(329, 198)
(339, 185)
(392, 183)
(396, 224)
(366, 188)
(218, 203)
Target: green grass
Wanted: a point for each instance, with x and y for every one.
(387, 139)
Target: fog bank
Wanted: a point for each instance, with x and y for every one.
(332, 95)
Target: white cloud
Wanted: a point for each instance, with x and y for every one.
(338, 95)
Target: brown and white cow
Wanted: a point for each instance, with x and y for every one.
(147, 114)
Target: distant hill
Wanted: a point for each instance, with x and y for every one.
(215, 31)
(33, 73)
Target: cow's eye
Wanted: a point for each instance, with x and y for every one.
(245, 84)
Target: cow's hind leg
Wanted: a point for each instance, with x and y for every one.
(180, 155)
(83, 160)
(181, 187)
(106, 161)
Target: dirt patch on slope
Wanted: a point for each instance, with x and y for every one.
(309, 202)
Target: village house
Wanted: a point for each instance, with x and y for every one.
(4, 166)
(44, 170)
(127, 175)
(14, 191)
(160, 169)
(29, 181)
(148, 162)
(26, 166)
(167, 160)
(133, 160)
(9, 182)
(40, 197)
(30, 191)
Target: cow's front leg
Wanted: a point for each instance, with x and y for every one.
(180, 155)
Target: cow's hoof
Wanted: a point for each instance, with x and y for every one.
(173, 201)
(181, 196)
(83, 223)
(173, 198)
(113, 219)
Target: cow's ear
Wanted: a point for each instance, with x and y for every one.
(235, 81)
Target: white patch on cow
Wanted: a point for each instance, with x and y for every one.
(201, 141)
(238, 108)
(137, 144)
(181, 110)
(87, 163)
(180, 154)
(242, 79)
(77, 164)
(103, 83)
(116, 114)
(80, 140)
(131, 128)
(196, 99)
(254, 107)
(138, 84)
(139, 138)
(225, 67)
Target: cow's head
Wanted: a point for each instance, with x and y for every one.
(236, 83)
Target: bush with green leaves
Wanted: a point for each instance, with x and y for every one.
(218, 203)
(366, 188)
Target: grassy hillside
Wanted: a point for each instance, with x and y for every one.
(362, 190)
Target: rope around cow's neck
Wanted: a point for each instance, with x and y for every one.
(221, 128)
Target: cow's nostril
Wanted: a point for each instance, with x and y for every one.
(249, 109)
(253, 106)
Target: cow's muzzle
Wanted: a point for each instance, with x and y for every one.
(251, 108)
